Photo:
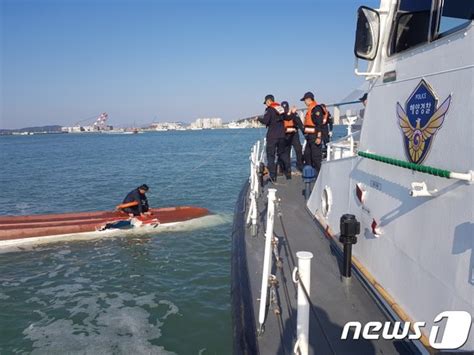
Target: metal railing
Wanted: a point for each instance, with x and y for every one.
(267, 258)
(344, 147)
(303, 271)
(256, 158)
(336, 110)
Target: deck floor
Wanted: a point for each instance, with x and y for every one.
(336, 300)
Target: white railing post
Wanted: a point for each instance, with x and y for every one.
(304, 284)
(257, 153)
(251, 208)
(256, 168)
(253, 183)
(267, 258)
(254, 188)
(336, 115)
(262, 153)
(252, 175)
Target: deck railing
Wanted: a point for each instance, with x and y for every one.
(336, 110)
(267, 258)
(303, 271)
(344, 147)
(256, 159)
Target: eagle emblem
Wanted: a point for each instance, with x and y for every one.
(420, 121)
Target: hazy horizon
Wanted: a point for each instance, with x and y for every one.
(144, 61)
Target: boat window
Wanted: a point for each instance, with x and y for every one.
(412, 25)
(455, 14)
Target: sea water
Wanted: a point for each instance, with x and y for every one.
(142, 294)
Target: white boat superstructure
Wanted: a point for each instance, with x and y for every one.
(408, 174)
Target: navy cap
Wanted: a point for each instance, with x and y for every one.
(144, 187)
(285, 104)
(308, 95)
(269, 97)
(363, 98)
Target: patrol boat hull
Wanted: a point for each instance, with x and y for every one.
(17, 228)
(416, 240)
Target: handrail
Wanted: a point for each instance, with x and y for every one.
(267, 258)
(303, 271)
(420, 168)
(336, 104)
(344, 103)
(344, 139)
(255, 160)
(340, 145)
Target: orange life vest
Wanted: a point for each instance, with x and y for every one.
(277, 107)
(289, 126)
(309, 126)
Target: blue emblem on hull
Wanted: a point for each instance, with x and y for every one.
(420, 121)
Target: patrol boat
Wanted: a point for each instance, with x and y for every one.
(398, 195)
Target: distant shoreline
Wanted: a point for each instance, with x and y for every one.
(16, 133)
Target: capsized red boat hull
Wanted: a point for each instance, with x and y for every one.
(20, 227)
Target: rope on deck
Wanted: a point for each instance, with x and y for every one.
(420, 168)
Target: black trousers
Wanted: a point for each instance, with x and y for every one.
(293, 141)
(313, 153)
(134, 210)
(277, 147)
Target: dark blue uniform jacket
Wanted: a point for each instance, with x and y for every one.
(274, 122)
(135, 195)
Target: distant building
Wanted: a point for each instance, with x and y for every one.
(81, 129)
(165, 126)
(244, 123)
(72, 129)
(206, 123)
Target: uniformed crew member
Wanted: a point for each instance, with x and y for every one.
(313, 131)
(292, 123)
(136, 202)
(328, 124)
(363, 99)
(276, 144)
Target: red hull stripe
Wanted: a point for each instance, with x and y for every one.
(17, 227)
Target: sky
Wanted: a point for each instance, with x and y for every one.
(64, 61)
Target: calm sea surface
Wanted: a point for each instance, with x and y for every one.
(162, 293)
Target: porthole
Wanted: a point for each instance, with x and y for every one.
(326, 201)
